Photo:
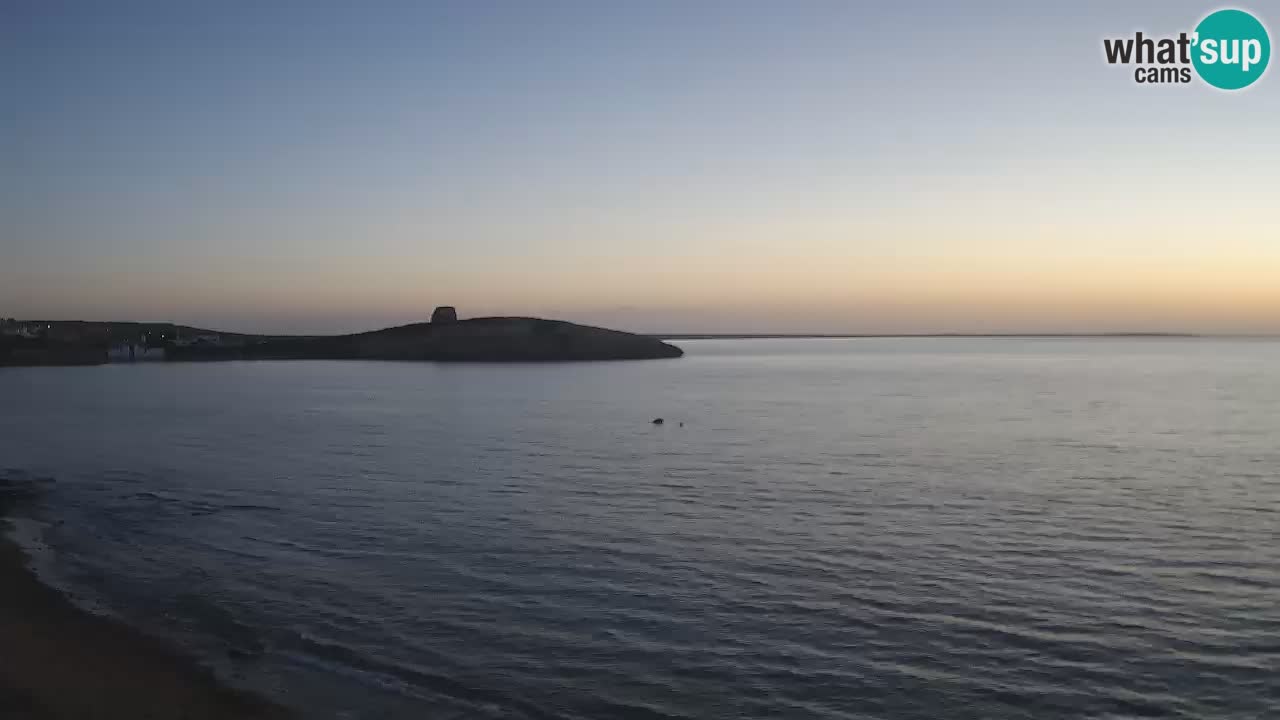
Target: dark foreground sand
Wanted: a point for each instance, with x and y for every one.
(58, 662)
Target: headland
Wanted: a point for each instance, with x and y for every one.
(444, 339)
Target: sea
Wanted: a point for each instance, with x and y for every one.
(826, 528)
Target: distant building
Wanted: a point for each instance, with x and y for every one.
(444, 314)
(134, 352)
(121, 352)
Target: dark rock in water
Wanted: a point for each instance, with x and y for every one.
(444, 314)
(658, 421)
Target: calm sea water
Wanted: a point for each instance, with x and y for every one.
(905, 528)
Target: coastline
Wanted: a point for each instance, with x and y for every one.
(57, 661)
(444, 339)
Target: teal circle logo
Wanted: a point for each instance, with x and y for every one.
(1232, 49)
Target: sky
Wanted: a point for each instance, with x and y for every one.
(842, 167)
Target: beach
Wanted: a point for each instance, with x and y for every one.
(57, 661)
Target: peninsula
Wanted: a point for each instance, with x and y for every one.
(444, 339)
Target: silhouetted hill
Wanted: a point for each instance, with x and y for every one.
(496, 339)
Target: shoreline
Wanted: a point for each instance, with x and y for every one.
(444, 339)
(58, 661)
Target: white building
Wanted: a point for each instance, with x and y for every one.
(129, 352)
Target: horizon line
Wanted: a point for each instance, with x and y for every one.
(737, 335)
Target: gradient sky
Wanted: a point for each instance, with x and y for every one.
(683, 166)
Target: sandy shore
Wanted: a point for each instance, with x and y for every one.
(57, 662)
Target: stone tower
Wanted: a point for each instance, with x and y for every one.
(444, 314)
